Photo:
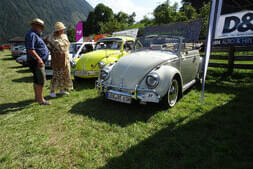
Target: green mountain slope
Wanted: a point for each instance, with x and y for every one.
(16, 14)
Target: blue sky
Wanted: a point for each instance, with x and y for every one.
(141, 7)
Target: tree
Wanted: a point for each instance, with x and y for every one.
(113, 26)
(166, 13)
(121, 17)
(90, 26)
(197, 4)
(146, 21)
(101, 15)
(163, 14)
(189, 11)
(131, 19)
(204, 13)
(125, 18)
(71, 32)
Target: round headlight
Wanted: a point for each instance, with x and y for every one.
(101, 65)
(73, 64)
(104, 75)
(152, 80)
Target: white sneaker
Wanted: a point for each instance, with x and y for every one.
(53, 95)
(64, 92)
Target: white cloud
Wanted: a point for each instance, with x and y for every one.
(129, 6)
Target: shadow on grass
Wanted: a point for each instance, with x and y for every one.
(221, 138)
(24, 71)
(115, 113)
(28, 79)
(7, 58)
(16, 67)
(221, 82)
(82, 84)
(13, 107)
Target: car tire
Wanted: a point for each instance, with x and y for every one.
(173, 94)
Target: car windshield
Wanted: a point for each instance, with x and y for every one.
(74, 48)
(109, 44)
(164, 43)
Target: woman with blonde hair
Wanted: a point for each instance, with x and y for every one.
(59, 47)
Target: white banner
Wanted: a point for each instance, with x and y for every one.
(131, 33)
(239, 24)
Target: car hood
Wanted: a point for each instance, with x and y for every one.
(131, 69)
(91, 59)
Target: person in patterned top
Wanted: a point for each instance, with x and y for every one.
(58, 45)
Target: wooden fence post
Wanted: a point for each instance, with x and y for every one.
(231, 59)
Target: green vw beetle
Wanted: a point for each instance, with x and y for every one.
(107, 50)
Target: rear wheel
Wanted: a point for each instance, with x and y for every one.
(173, 93)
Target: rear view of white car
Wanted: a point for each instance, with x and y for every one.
(17, 51)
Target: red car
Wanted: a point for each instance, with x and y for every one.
(5, 46)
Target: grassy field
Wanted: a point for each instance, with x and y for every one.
(85, 131)
(237, 54)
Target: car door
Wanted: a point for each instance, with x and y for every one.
(189, 64)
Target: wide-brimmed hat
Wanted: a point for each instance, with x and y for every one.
(59, 26)
(37, 21)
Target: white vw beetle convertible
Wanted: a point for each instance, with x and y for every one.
(160, 70)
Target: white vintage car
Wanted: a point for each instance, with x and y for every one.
(160, 71)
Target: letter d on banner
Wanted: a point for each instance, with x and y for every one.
(79, 32)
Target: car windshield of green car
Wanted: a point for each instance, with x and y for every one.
(74, 47)
(110, 44)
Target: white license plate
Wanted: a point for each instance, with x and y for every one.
(150, 97)
(49, 72)
(86, 73)
(118, 98)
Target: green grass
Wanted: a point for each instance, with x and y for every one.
(249, 53)
(226, 61)
(237, 54)
(85, 131)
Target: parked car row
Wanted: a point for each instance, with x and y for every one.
(17, 51)
(154, 69)
(76, 49)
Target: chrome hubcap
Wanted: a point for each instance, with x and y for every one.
(173, 93)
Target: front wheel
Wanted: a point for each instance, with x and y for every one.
(172, 96)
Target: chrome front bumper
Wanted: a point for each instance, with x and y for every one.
(143, 95)
(85, 73)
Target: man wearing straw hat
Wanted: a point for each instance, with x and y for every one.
(37, 55)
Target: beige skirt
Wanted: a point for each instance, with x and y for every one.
(61, 79)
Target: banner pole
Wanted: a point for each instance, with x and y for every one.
(208, 46)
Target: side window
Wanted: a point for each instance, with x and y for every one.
(138, 45)
(187, 46)
(129, 45)
(89, 48)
